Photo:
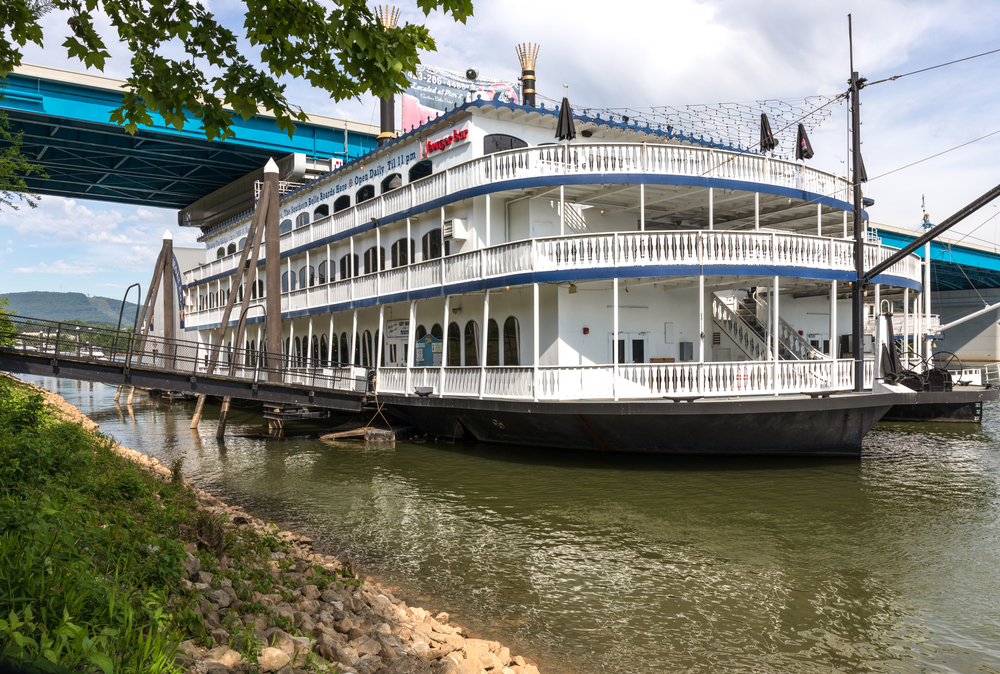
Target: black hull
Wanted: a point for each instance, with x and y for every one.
(963, 405)
(788, 426)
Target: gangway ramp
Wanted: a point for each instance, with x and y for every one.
(121, 357)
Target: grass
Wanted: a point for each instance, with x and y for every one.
(92, 545)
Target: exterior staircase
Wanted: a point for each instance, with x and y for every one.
(744, 327)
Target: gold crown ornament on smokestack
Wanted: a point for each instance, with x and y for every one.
(388, 16)
(527, 53)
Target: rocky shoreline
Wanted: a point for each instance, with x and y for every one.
(307, 623)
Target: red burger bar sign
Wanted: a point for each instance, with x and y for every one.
(446, 140)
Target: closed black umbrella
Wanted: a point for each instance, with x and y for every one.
(565, 130)
(767, 141)
(803, 148)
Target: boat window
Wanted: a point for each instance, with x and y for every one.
(378, 353)
(311, 277)
(511, 342)
(323, 348)
(492, 343)
(322, 272)
(437, 332)
(472, 344)
(288, 346)
(220, 253)
(284, 282)
(231, 249)
(393, 182)
(454, 345)
(239, 294)
(421, 332)
(285, 226)
(298, 352)
(370, 259)
(344, 348)
(400, 255)
(431, 244)
(302, 220)
(366, 356)
(364, 194)
(357, 349)
(421, 170)
(257, 290)
(321, 211)
(498, 142)
(342, 203)
(243, 243)
(315, 350)
(345, 267)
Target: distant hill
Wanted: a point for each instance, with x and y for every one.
(69, 307)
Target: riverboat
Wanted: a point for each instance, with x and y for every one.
(635, 289)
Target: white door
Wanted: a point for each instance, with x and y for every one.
(631, 348)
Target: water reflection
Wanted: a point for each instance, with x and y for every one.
(605, 563)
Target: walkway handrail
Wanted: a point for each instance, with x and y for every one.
(68, 341)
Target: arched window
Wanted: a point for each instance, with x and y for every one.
(323, 351)
(342, 203)
(454, 345)
(257, 290)
(302, 220)
(321, 211)
(472, 344)
(402, 254)
(315, 351)
(367, 358)
(345, 267)
(431, 244)
(253, 353)
(421, 170)
(322, 272)
(364, 194)
(284, 282)
(344, 348)
(239, 294)
(311, 277)
(393, 182)
(421, 332)
(220, 253)
(285, 226)
(231, 249)
(357, 349)
(492, 343)
(288, 354)
(436, 331)
(370, 259)
(334, 350)
(498, 142)
(243, 243)
(511, 342)
(246, 354)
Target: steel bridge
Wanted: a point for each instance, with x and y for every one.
(956, 263)
(66, 120)
(121, 357)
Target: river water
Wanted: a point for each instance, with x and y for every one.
(594, 563)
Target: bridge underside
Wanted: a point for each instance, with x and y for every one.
(98, 161)
(107, 373)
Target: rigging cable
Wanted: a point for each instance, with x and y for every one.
(923, 70)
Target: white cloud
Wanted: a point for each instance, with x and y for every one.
(60, 267)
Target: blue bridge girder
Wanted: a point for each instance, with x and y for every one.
(65, 117)
(955, 265)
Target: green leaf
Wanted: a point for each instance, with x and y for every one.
(106, 664)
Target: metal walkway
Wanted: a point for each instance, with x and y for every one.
(34, 346)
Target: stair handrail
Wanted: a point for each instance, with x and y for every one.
(738, 330)
(796, 345)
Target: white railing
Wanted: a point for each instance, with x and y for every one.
(552, 160)
(632, 249)
(423, 377)
(391, 380)
(796, 345)
(508, 382)
(461, 381)
(897, 324)
(738, 331)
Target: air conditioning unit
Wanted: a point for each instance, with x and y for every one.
(455, 229)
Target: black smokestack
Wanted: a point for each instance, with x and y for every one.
(527, 53)
(388, 16)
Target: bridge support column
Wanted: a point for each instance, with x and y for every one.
(118, 393)
(220, 432)
(197, 411)
(168, 299)
(272, 270)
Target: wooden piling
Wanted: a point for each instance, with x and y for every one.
(223, 413)
(197, 412)
(118, 393)
(131, 394)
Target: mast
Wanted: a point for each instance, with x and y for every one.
(857, 288)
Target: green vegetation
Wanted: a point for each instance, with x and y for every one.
(76, 307)
(92, 549)
(14, 167)
(186, 63)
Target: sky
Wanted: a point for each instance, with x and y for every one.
(632, 54)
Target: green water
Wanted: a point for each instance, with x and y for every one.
(594, 563)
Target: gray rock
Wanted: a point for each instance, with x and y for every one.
(310, 592)
(366, 646)
(355, 633)
(278, 638)
(273, 659)
(211, 667)
(220, 636)
(368, 664)
(344, 626)
(220, 597)
(204, 577)
(191, 565)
